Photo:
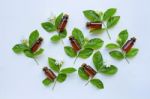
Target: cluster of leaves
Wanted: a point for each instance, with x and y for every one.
(26, 45)
(108, 19)
(115, 48)
(87, 46)
(62, 72)
(52, 26)
(100, 68)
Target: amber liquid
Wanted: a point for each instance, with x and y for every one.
(63, 23)
(128, 45)
(94, 25)
(50, 75)
(74, 44)
(89, 70)
(36, 45)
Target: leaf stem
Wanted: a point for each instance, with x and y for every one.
(36, 61)
(126, 60)
(61, 40)
(107, 30)
(75, 60)
(54, 84)
(125, 56)
(88, 82)
(56, 79)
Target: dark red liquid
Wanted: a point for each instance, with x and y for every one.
(74, 44)
(63, 23)
(94, 25)
(50, 75)
(128, 45)
(36, 45)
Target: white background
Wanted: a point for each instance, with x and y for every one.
(21, 78)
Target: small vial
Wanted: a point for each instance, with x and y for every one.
(94, 25)
(74, 43)
(36, 45)
(128, 45)
(63, 23)
(89, 70)
(49, 73)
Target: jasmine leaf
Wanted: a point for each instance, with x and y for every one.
(111, 46)
(61, 77)
(63, 34)
(55, 38)
(18, 48)
(133, 52)
(47, 82)
(111, 70)
(53, 65)
(58, 20)
(97, 60)
(82, 74)
(91, 15)
(68, 70)
(122, 37)
(69, 51)
(97, 31)
(33, 37)
(28, 53)
(112, 21)
(85, 53)
(39, 52)
(49, 27)
(109, 13)
(116, 54)
(97, 83)
(94, 44)
(78, 35)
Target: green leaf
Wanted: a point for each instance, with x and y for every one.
(86, 40)
(61, 77)
(95, 43)
(68, 70)
(55, 38)
(49, 27)
(116, 54)
(133, 52)
(111, 70)
(58, 20)
(97, 31)
(112, 21)
(109, 13)
(82, 74)
(122, 37)
(97, 83)
(91, 15)
(100, 15)
(18, 48)
(69, 51)
(85, 53)
(39, 52)
(33, 37)
(78, 35)
(97, 60)
(63, 34)
(47, 82)
(28, 53)
(111, 46)
(53, 65)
